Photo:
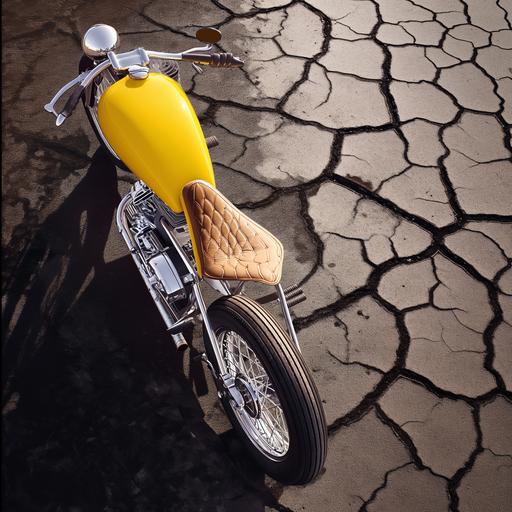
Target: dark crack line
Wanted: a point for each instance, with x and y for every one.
(373, 496)
(326, 30)
(405, 439)
(454, 483)
(488, 334)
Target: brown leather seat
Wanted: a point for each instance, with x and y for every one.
(229, 244)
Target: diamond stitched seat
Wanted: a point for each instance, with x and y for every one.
(229, 244)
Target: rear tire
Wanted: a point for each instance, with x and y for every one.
(290, 380)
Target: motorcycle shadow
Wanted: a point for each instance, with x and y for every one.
(105, 418)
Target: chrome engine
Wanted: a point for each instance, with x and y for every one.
(159, 242)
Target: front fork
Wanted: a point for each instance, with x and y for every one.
(225, 381)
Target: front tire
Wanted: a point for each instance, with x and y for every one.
(283, 423)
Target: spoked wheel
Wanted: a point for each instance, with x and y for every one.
(282, 421)
(262, 417)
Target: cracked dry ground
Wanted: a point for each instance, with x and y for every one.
(373, 136)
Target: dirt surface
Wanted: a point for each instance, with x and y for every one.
(373, 137)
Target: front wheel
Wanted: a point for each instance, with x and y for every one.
(282, 422)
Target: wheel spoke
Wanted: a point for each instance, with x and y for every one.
(268, 430)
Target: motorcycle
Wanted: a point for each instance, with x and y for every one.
(181, 231)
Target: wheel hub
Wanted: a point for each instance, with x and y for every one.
(251, 402)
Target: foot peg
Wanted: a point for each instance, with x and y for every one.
(294, 295)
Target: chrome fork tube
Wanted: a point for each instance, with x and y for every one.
(211, 334)
(287, 317)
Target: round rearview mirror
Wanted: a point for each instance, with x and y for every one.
(99, 40)
(208, 35)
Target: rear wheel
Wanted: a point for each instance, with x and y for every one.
(282, 421)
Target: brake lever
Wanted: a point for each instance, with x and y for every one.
(70, 105)
(206, 48)
(50, 107)
(84, 79)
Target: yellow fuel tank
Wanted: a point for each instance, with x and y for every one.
(154, 130)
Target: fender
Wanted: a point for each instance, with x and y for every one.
(152, 127)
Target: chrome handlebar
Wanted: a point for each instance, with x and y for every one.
(135, 59)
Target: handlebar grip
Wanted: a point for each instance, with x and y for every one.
(217, 60)
(225, 60)
(70, 105)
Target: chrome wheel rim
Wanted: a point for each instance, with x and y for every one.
(262, 417)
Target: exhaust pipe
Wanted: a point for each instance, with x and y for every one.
(179, 341)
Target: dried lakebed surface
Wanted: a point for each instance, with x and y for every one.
(374, 138)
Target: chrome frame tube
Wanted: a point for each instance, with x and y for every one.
(238, 289)
(180, 250)
(209, 330)
(218, 285)
(287, 317)
(224, 287)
